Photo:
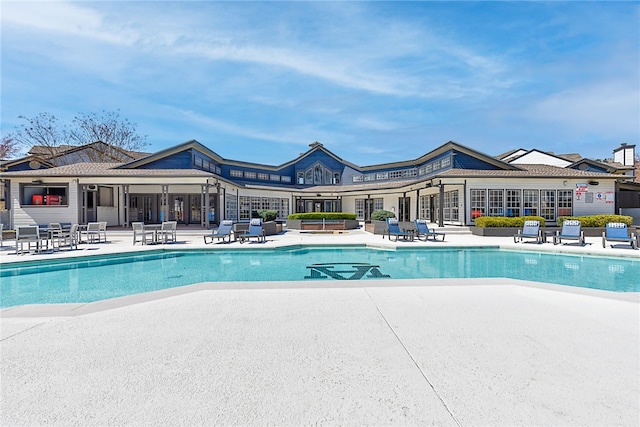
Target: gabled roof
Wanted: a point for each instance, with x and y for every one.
(528, 171)
(195, 145)
(534, 157)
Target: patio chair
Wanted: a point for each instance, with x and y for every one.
(225, 230)
(93, 232)
(618, 232)
(255, 231)
(102, 231)
(571, 230)
(68, 237)
(531, 230)
(141, 235)
(167, 232)
(393, 229)
(422, 229)
(29, 235)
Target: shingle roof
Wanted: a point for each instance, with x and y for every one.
(528, 171)
(107, 169)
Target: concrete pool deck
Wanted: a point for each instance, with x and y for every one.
(414, 352)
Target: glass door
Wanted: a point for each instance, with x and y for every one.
(176, 208)
(142, 208)
(195, 209)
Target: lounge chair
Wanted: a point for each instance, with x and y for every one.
(167, 232)
(29, 235)
(224, 231)
(141, 235)
(393, 229)
(570, 231)
(422, 229)
(531, 230)
(255, 231)
(618, 232)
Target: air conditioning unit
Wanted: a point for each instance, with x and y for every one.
(92, 187)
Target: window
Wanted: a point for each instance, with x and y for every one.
(273, 177)
(105, 196)
(245, 207)
(263, 176)
(445, 162)
(548, 204)
(317, 174)
(358, 178)
(360, 208)
(513, 202)
(250, 175)
(450, 207)
(44, 195)
(253, 204)
(308, 176)
(370, 177)
(565, 199)
(327, 176)
(378, 204)
(382, 175)
(530, 202)
(424, 207)
(285, 178)
(300, 178)
(235, 173)
(231, 208)
(478, 203)
(496, 202)
(336, 178)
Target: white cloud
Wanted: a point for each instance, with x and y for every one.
(599, 108)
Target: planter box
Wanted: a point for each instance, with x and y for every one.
(380, 227)
(317, 224)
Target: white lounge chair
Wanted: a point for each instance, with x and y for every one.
(224, 231)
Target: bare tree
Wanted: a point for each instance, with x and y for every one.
(108, 128)
(51, 140)
(43, 133)
(9, 147)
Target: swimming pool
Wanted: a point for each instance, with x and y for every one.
(91, 278)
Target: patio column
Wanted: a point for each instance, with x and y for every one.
(127, 200)
(441, 206)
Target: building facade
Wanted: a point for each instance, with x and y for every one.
(190, 183)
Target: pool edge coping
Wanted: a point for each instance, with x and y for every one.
(81, 309)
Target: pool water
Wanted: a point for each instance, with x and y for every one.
(92, 279)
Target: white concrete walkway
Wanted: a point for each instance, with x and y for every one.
(415, 352)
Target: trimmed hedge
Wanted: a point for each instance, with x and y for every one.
(381, 215)
(323, 215)
(598, 220)
(503, 221)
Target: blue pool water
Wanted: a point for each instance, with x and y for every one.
(92, 279)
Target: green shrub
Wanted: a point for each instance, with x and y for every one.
(323, 215)
(597, 220)
(382, 215)
(503, 221)
(268, 214)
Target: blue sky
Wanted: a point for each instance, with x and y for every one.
(373, 81)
